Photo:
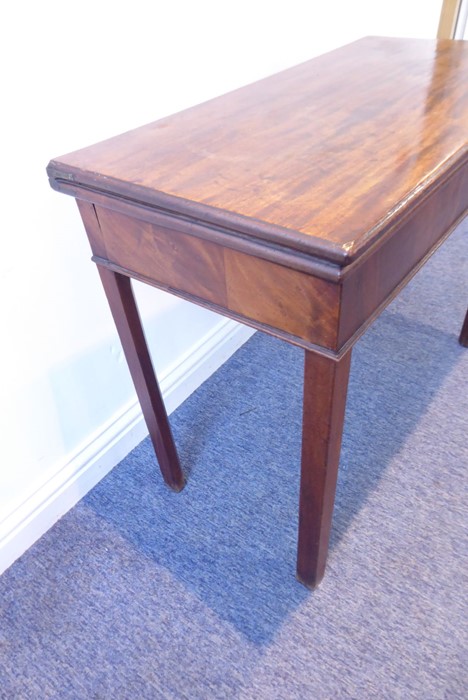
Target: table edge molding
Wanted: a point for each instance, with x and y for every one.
(286, 246)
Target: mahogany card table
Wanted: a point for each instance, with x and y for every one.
(300, 205)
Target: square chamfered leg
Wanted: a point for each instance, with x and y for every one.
(325, 389)
(124, 310)
(463, 338)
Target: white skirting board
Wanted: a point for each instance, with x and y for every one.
(111, 443)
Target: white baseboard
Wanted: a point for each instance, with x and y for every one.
(105, 448)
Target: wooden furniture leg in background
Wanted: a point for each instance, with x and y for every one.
(119, 294)
(463, 339)
(325, 388)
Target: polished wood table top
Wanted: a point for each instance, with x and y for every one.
(300, 204)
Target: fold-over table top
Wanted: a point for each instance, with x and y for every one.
(322, 157)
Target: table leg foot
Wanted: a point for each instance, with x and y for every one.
(325, 388)
(121, 300)
(463, 339)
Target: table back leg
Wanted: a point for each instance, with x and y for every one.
(121, 300)
(463, 339)
(325, 388)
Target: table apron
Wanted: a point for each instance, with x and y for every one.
(369, 285)
(290, 303)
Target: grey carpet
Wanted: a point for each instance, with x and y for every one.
(142, 593)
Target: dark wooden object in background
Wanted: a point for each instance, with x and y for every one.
(300, 205)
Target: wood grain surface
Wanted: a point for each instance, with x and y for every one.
(324, 154)
(373, 280)
(264, 293)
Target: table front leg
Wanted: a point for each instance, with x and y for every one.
(325, 388)
(119, 294)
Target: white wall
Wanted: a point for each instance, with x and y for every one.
(72, 74)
